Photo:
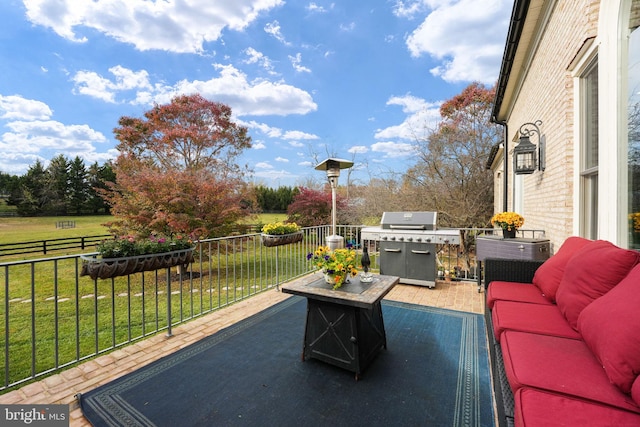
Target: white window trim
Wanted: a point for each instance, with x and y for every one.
(579, 67)
(613, 35)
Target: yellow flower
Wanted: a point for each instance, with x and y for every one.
(635, 219)
(507, 220)
(339, 263)
(280, 228)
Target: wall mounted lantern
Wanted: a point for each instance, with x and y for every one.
(527, 158)
(333, 166)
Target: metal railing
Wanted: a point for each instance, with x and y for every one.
(53, 317)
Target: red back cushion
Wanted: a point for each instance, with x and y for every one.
(548, 276)
(591, 273)
(610, 326)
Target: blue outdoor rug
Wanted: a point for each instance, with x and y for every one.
(434, 372)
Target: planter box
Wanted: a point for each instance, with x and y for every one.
(270, 240)
(105, 268)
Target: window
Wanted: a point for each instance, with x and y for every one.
(633, 123)
(589, 151)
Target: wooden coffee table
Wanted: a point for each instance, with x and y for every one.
(344, 327)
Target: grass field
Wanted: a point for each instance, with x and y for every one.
(25, 229)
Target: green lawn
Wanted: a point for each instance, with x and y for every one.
(26, 229)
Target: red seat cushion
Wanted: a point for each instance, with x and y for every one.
(591, 273)
(611, 328)
(542, 408)
(534, 318)
(514, 291)
(559, 365)
(548, 276)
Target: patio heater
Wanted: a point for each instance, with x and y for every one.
(333, 166)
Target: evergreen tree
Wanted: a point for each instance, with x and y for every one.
(33, 196)
(57, 185)
(78, 187)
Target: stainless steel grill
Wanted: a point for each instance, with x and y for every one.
(408, 245)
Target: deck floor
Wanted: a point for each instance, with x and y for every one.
(62, 388)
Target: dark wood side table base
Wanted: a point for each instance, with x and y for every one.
(345, 336)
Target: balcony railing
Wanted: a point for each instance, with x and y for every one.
(54, 318)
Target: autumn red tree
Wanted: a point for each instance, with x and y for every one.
(312, 207)
(177, 170)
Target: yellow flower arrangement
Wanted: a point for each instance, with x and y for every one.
(339, 263)
(635, 221)
(279, 228)
(507, 220)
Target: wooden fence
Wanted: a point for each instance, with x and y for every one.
(53, 245)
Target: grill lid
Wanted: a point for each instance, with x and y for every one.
(409, 220)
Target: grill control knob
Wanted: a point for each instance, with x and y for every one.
(393, 238)
(400, 239)
(384, 237)
(419, 239)
(409, 239)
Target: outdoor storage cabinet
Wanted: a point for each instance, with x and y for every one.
(518, 248)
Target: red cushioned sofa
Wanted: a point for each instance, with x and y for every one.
(564, 336)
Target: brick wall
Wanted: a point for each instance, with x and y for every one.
(547, 94)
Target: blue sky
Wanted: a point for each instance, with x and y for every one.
(358, 80)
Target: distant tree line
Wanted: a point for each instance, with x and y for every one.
(65, 187)
(275, 199)
(68, 187)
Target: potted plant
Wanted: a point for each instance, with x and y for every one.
(509, 222)
(127, 255)
(337, 265)
(281, 233)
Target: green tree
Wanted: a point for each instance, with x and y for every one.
(177, 170)
(57, 185)
(78, 187)
(98, 178)
(33, 195)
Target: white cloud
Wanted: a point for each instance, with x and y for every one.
(296, 61)
(358, 149)
(231, 86)
(410, 8)
(272, 175)
(14, 107)
(259, 58)
(466, 36)
(313, 7)
(263, 165)
(282, 160)
(32, 135)
(258, 145)
(273, 29)
(348, 27)
(170, 25)
(421, 115)
(393, 149)
(91, 84)
(270, 131)
(296, 134)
